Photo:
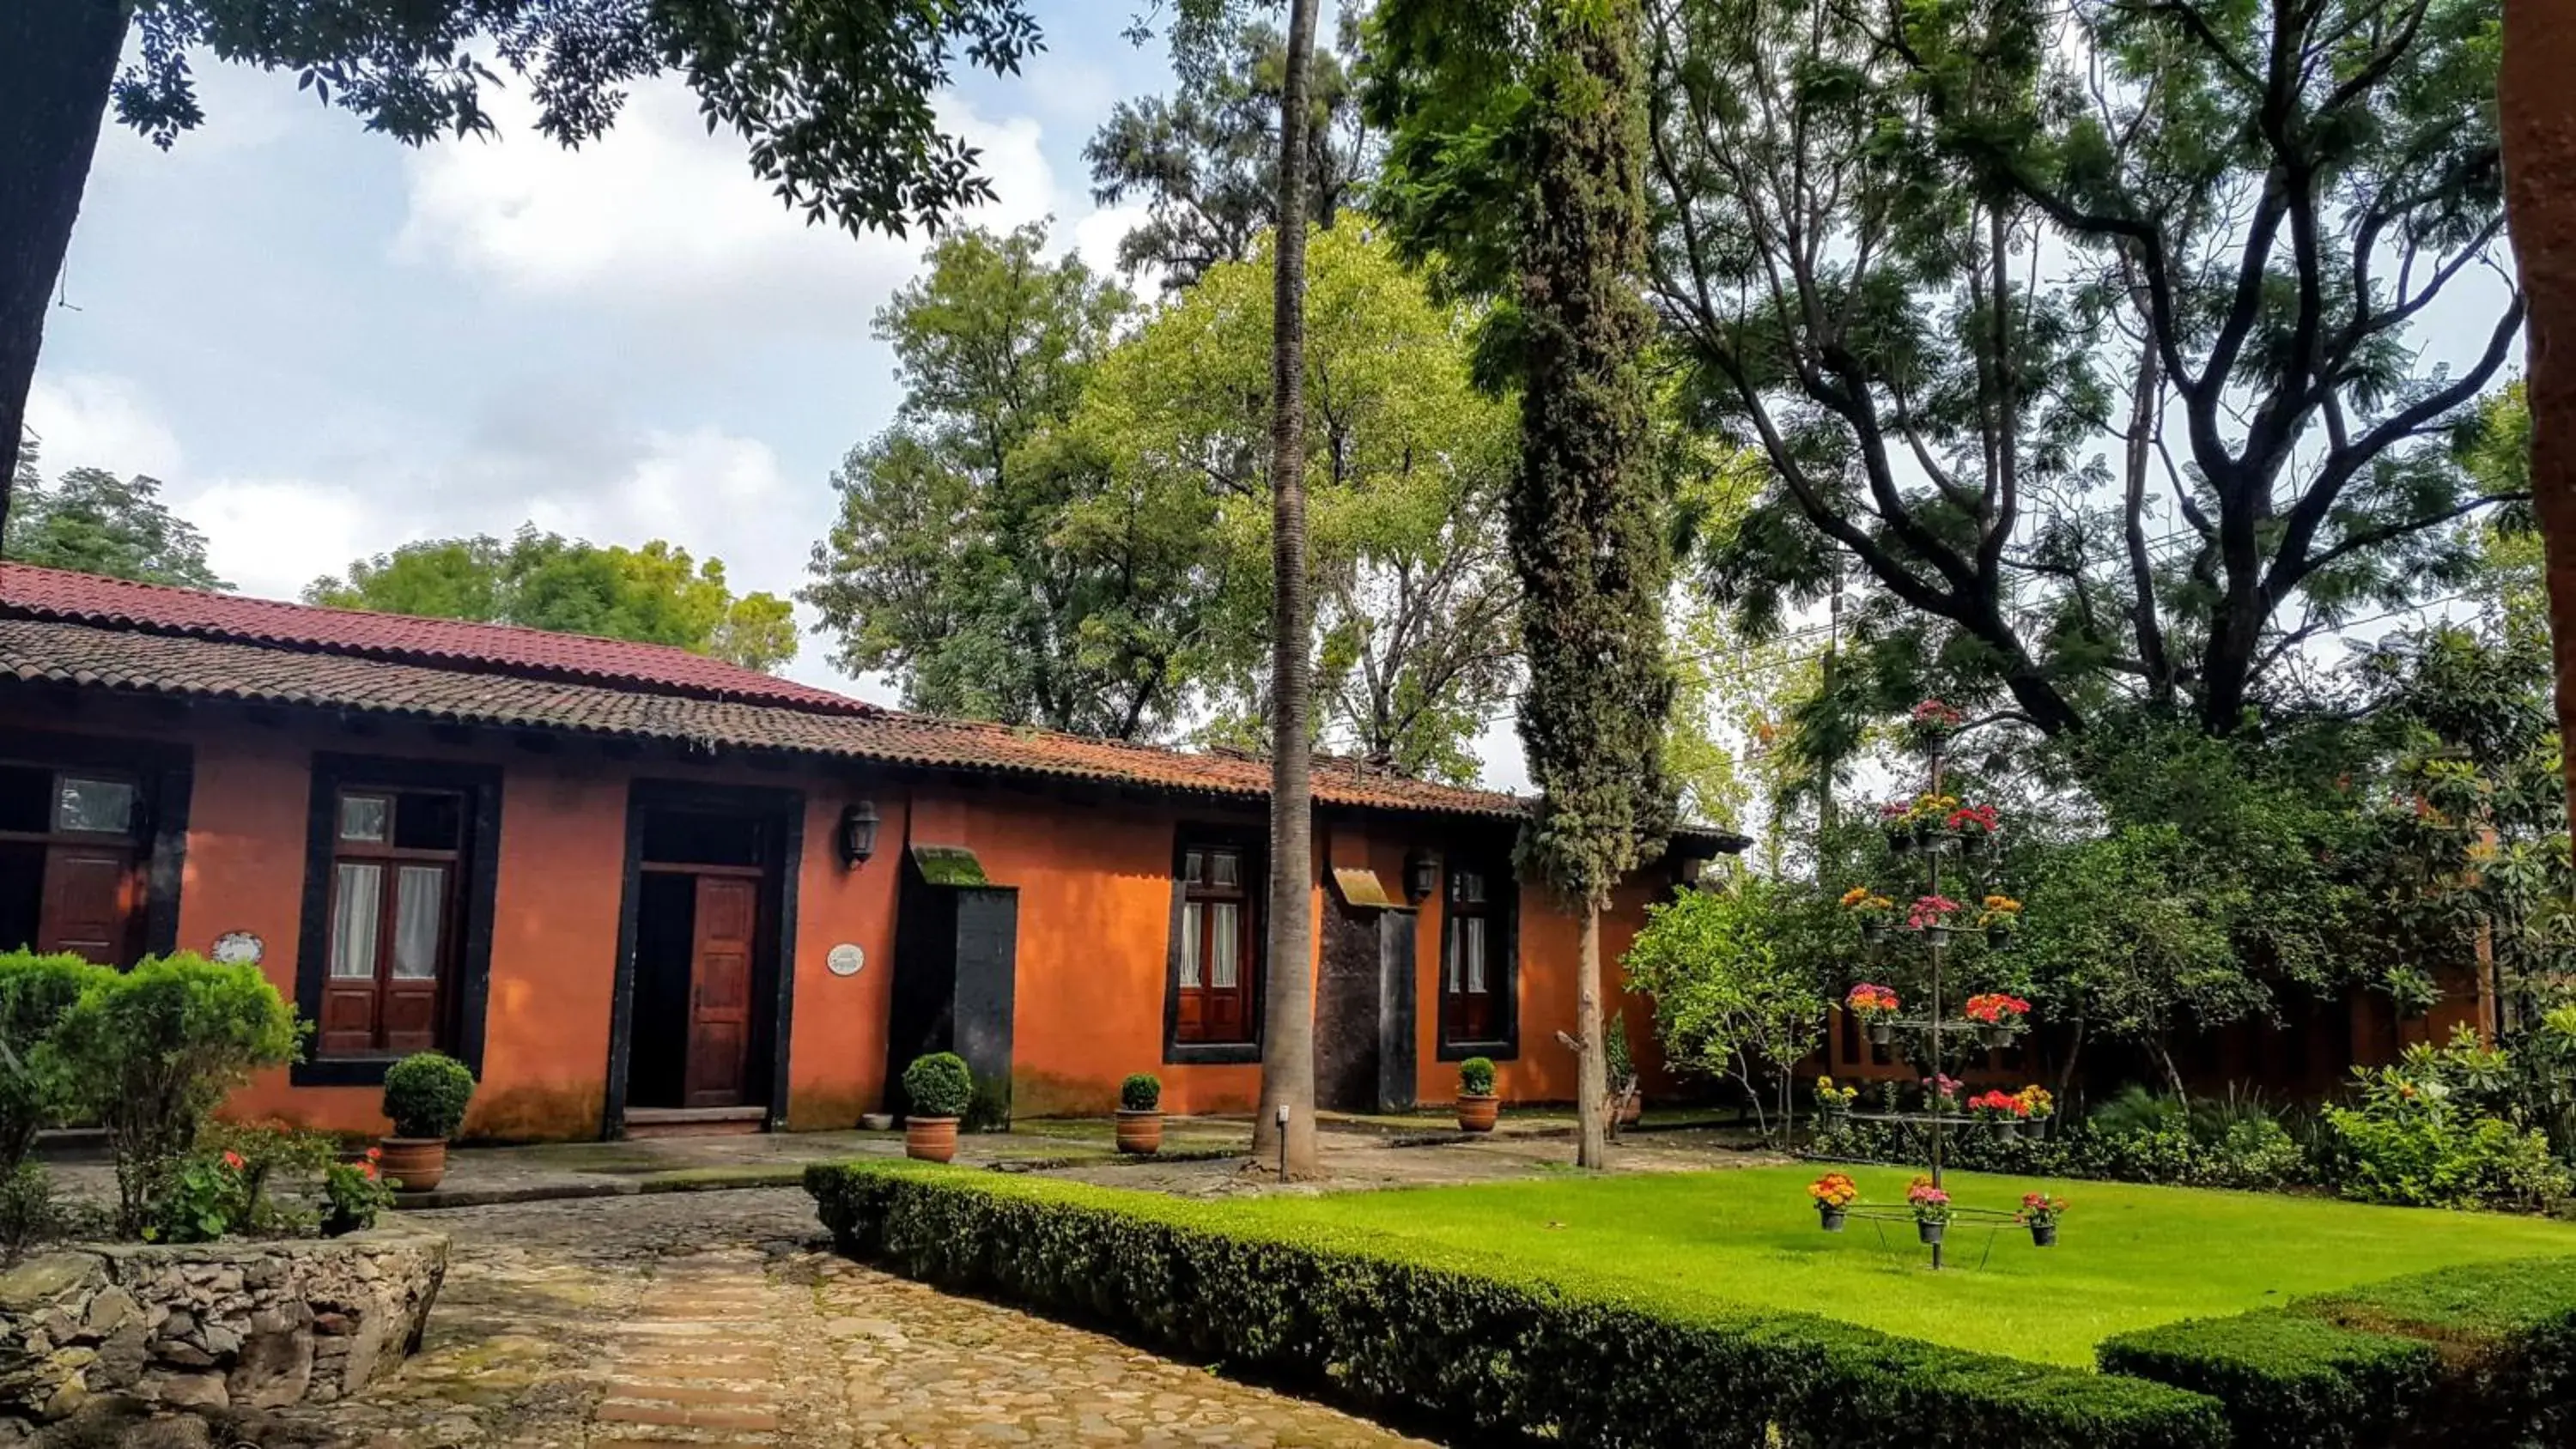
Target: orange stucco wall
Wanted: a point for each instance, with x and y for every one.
(1093, 878)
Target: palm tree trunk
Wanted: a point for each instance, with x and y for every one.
(2538, 122)
(1591, 1065)
(57, 58)
(1288, 1026)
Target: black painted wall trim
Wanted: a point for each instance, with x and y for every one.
(482, 883)
(786, 809)
(168, 773)
(1253, 842)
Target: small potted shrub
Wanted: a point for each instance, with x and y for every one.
(1876, 1007)
(426, 1094)
(1872, 910)
(1834, 1194)
(1477, 1104)
(1998, 1015)
(2039, 1213)
(936, 1091)
(1140, 1114)
(1931, 1210)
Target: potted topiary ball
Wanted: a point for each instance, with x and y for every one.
(936, 1091)
(426, 1094)
(1477, 1104)
(1140, 1114)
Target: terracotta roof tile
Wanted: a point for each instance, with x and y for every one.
(56, 594)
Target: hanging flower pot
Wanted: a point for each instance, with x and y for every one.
(2043, 1235)
(1831, 1218)
(1999, 938)
(1900, 840)
(1931, 1233)
(1873, 931)
(1882, 1032)
(1834, 1193)
(2007, 1128)
(2039, 1213)
(1997, 1037)
(1937, 933)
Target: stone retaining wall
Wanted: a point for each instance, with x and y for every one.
(255, 1325)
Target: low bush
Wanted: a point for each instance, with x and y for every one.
(2439, 1129)
(1478, 1345)
(353, 1193)
(150, 1053)
(2136, 1136)
(426, 1095)
(938, 1085)
(35, 1086)
(1476, 1077)
(1141, 1092)
(2482, 1353)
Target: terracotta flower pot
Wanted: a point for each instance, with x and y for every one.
(413, 1164)
(1138, 1132)
(1478, 1114)
(932, 1139)
(1633, 1111)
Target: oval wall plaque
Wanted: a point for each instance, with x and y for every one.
(238, 948)
(845, 960)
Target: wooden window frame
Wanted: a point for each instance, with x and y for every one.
(473, 885)
(389, 857)
(163, 774)
(1501, 913)
(1254, 873)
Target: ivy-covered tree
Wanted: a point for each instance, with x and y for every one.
(656, 594)
(92, 521)
(1517, 151)
(997, 561)
(2092, 334)
(832, 98)
(1204, 160)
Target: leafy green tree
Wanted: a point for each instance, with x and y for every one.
(2092, 334)
(1517, 147)
(97, 523)
(1408, 464)
(656, 594)
(1205, 160)
(993, 557)
(832, 98)
(1728, 1001)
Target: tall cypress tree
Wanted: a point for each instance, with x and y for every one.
(1584, 528)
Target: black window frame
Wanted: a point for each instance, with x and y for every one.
(1253, 846)
(334, 774)
(1502, 960)
(165, 772)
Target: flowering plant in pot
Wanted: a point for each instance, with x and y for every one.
(1833, 1101)
(1929, 811)
(1998, 1015)
(1896, 817)
(1931, 915)
(1933, 721)
(2039, 1213)
(1140, 1114)
(1872, 910)
(426, 1095)
(1941, 1093)
(2037, 1104)
(1931, 1208)
(2003, 1110)
(1975, 825)
(1834, 1193)
(1478, 1107)
(1875, 1006)
(2000, 918)
(936, 1091)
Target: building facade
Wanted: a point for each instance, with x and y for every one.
(638, 889)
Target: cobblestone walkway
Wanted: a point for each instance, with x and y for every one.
(716, 1319)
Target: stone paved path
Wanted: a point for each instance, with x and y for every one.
(717, 1319)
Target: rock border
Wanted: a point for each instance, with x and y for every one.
(225, 1325)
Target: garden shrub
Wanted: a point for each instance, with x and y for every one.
(1141, 1092)
(35, 993)
(426, 1095)
(1478, 1345)
(1476, 1077)
(150, 1053)
(29, 1211)
(2481, 1353)
(938, 1085)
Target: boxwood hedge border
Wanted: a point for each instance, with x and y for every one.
(1474, 1344)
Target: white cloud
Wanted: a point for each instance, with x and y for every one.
(90, 420)
(661, 216)
(270, 537)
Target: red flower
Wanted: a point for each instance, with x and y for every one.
(234, 1161)
(375, 1154)
(367, 1170)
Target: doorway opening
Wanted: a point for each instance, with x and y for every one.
(703, 996)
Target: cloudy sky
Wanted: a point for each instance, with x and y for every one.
(327, 345)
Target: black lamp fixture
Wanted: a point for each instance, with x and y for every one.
(1421, 876)
(857, 837)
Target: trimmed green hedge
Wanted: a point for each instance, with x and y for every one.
(1418, 1333)
(2486, 1351)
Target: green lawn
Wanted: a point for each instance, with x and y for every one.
(2128, 1256)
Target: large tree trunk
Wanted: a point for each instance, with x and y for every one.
(57, 58)
(1591, 1071)
(1288, 1029)
(2538, 117)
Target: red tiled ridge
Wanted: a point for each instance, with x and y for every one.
(28, 590)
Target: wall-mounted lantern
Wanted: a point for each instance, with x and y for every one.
(1421, 876)
(857, 838)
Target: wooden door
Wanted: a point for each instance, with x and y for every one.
(89, 903)
(728, 913)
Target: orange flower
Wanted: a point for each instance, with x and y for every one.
(234, 1161)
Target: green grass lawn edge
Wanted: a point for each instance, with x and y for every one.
(1406, 1329)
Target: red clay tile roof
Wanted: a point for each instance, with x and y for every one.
(29, 591)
